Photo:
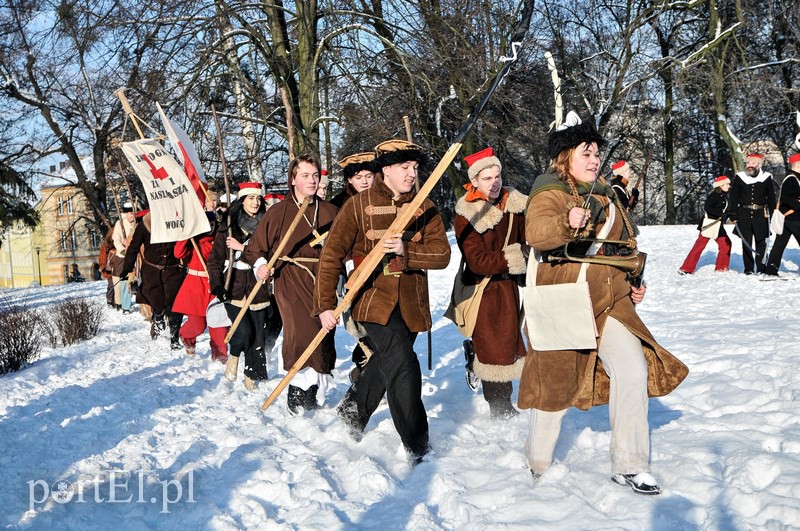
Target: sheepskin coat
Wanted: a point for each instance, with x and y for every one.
(481, 228)
(555, 380)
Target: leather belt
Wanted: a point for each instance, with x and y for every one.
(196, 273)
(753, 207)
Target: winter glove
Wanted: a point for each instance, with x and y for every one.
(220, 293)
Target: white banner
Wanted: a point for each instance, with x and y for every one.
(175, 212)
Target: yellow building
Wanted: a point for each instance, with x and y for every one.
(64, 246)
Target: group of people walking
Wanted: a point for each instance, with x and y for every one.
(749, 203)
(299, 253)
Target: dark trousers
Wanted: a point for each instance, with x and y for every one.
(748, 232)
(394, 370)
(790, 228)
(249, 338)
(272, 327)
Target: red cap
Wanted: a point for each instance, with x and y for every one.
(755, 155)
(721, 180)
(794, 158)
(271, 195)
(619, 164)
(141, 213)
(482, 154)
(323, 172)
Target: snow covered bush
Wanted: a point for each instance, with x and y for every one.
(19, 338)
(76, 320)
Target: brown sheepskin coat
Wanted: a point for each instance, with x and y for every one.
(358, 228)
(481, 229)
(555, 380)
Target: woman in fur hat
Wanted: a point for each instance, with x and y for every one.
(490, 231)
(716, 209)
(628, 365)
(262, 320)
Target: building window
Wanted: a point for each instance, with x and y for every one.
(69, 205)
(60, 206)
(68, 240)
(95, 238)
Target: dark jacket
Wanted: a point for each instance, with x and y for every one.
(790, 196)
(716, 207)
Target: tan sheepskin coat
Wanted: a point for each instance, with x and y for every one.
(555, 380)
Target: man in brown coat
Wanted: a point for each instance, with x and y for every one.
(294, 275)
(392, 305)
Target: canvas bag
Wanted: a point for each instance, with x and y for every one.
(561, 316)
(778, 217)
(710, 227)
(465, 301)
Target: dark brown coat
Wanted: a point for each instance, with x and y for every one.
(294, 285)
(480, 230)
(162, 274)
(555, 380)
(359, 227)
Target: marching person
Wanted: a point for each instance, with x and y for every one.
(490, 232)
(162, 276)
(123, 231)
(790, 207)
(716, 209)
(622, 176)
(392, 306)
(106, 259)
(322, 189)
(195, 295)
(359, 174)
(294, 275)
(569, 209)
(262, 318)
(752, 199)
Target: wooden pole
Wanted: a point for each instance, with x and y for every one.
(368, 265)
(275, 256)
(120, 93)
(229, 272)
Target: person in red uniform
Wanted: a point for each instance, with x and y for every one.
(195, 295)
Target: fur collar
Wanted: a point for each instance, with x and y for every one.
(760, 178)
(483, 215)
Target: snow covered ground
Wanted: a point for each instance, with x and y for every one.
(180, 447)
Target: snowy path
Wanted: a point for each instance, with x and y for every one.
(726, 444)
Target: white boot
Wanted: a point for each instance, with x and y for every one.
(231, 368)
(249, 384)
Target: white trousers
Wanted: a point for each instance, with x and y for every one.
(623, 360)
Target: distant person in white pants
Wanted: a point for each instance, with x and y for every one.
(570, 215)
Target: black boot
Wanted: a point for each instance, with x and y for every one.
(295, 399)
(348, 412)
(498, 394)
(310, 398)
(469, 354)
(174, 330)
(157, 325)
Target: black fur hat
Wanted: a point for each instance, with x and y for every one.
(574, 134)
(398, 151)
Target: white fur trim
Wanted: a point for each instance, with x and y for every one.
(515, 259)
(483, 215)
(498, 373)
(761, 177)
